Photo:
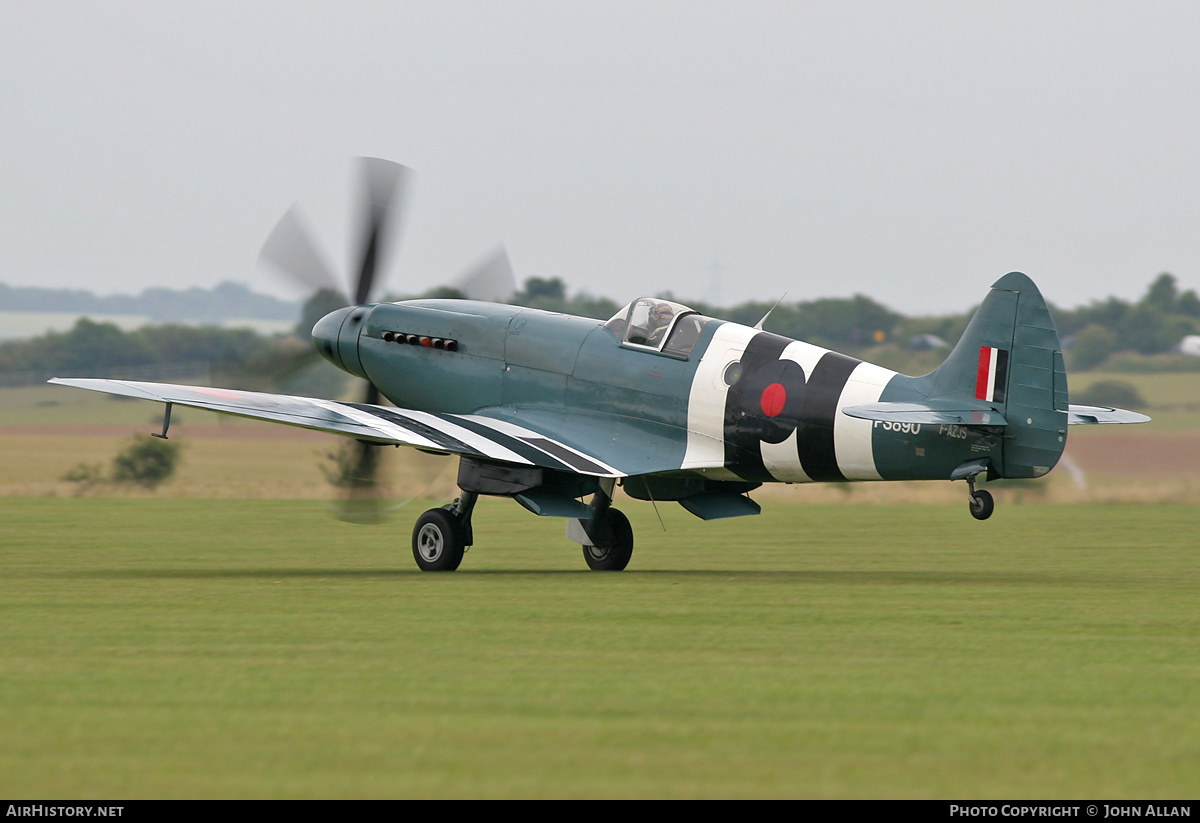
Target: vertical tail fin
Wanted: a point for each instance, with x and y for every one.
(1010, 356)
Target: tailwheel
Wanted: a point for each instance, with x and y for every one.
(616, 557)
(439, 540)
(982, 504)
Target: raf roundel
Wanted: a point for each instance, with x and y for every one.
(773, 399)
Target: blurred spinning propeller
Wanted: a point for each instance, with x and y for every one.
(291, 251)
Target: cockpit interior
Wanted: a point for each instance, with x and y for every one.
(658, 325)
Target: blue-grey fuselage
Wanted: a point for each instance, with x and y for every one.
(738, 404)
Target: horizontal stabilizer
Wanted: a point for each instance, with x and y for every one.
(948, 412)
(1085, 415)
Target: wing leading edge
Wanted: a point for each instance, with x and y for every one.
(474, 435)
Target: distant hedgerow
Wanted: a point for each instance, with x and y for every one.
(147, 461)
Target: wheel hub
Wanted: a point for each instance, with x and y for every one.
(430, 542)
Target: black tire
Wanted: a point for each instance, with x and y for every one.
(982, 505)
(614, 558)
(438, 541)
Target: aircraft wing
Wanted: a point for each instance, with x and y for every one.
(509, 440)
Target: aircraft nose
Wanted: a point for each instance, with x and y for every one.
(335, 336)
(325, 335)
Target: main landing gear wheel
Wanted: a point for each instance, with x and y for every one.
(616, 557)
(438, 541)
(982, 504)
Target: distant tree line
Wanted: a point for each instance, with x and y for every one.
(1093, 335)
(90, 345)
(222, 302)
(1153, 325)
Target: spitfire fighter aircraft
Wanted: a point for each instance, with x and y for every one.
(555, 411)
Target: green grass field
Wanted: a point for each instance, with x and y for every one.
(223, 648)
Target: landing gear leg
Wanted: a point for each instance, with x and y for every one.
(441, 536)
(610, 537)
(981, 503)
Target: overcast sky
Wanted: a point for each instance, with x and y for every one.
(910, 151)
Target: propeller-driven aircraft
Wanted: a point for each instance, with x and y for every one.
(555, 411)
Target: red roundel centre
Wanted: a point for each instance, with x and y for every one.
(773, 398)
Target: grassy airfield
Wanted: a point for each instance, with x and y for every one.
(224, 648)
(222, 637)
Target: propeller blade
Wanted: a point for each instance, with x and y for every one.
(365, 498)
(385, 184)
(355, 472)
(358, 466)
(271, 370)
(405, 475)
(291, 251)
(365, 464)
(490, 278)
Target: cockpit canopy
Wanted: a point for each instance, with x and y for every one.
(659, 325)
